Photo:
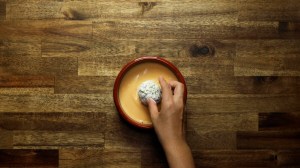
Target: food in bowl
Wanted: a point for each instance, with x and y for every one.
(149, 89)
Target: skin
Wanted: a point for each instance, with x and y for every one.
(168, 124)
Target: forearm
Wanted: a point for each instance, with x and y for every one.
(179, 155)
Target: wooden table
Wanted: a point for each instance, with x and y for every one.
(59, 59)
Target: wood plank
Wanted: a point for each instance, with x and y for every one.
(279, 121)
(97, 10)
(99, 158)
(191, 66)
(3, 48)
(80, 121)
(242, 103)
(225, 84)
(102, 66)
(111, 55)
(234, 158)
(292, 27)
(161, 29)
(267, 58)
(56, 103)
(33, 9)
(84, 84)
(21, 48)
(120, 135)
(288, 158)
(121, 48)
(28, 158)
(6, 139)
(80, 158)
(268, 140)
(57, 139)
(22, 91)
(268, 10)
(69, 47)
(38, 66)
(165, 47)
(60, 30)
(154, 158)
(211, 140)
(26, 81)
(2, 10)
(222, 122)
(121, 158)
(265, 30)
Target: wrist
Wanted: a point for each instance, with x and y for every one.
(174, 144)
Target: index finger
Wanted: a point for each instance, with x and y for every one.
(166, 89)
(178, 89)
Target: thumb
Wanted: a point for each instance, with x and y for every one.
(152, 108)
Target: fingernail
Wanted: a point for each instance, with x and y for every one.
(150, 99)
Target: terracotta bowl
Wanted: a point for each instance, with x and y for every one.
(126, 79)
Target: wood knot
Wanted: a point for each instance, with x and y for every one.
(71, 14)
(265, 79)
(146, 6)
(201, 50)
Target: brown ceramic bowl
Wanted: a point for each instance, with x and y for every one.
(128, 80)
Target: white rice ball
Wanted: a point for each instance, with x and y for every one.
(149, 89)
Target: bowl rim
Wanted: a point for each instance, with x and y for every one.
(130, 65)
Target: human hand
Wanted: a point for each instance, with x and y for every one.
(168, 122)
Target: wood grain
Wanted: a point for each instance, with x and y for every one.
(267, 58)
(29, 158)
(211, 140)
(256, 30)
(84, 84)
(30, 9)
(221, 84)
(106, 66)
(121, 158)
(267, 10)
(110, 66)
(97, 10)
(45, 30)
(153, 158)
(222, 122)
(38, 66)
(53, 121)
(27, 81)
(235, 158)
(279, 121)
(6, 139)
(69, 47)
(80, 157)
(21, 48)
(110, 56)
(288, 158)
(242, 103)
(268, 140)
(124, 136)
(26, 90)
(57, 139)
(56, 103)
(157, 29)
(2, 10)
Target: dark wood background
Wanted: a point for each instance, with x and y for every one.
(59, 59)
